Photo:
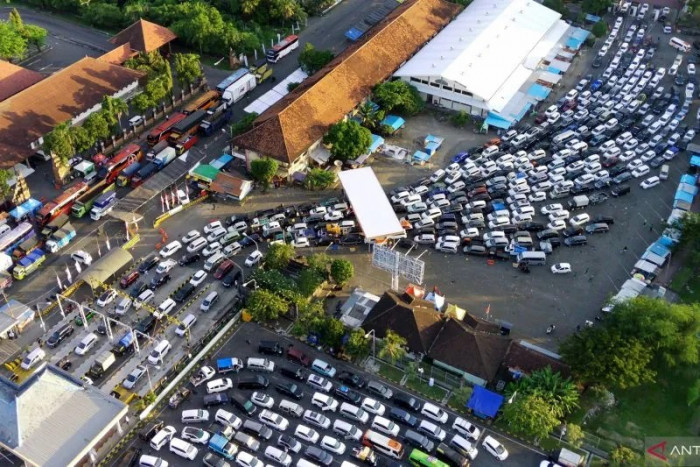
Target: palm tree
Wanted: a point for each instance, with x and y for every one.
(560, 392)
(114, 108)
(394, 347)
(371, 116)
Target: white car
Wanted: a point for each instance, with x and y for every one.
(216, 234)
(317, 419)
(550, 208)
(196, 245)
(107, 297)
(262, 400)
(373, 406)
(212, 248)
(244, 459)
(301, 242)
(333, 445)
(466, 428)
(495, 448)
(324, 402)
(552, 109)
(333, 216)
(561, 268)
(170, 249)
(579, 219)
(641, 171)
(557, 225)
(198, 277)
(650, 182)
(319, 382)
(307, 434)
(212, 226)
(191, 235)
(87, 343)
(134, 377)
(561, 214)
(82, 257)
(425, 239)
(537, 197)
(273, 420)
(434, 413)
(136, 120)
(165, 266)
(254, 258)
(195, 435)
(691, 68)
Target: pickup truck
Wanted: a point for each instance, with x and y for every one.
(204, 374)
(227, 365)
(180, 396)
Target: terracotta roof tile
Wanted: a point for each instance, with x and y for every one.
(14, 79)
(228, 184)
(289, 127)
(144, 36)
(30, 114)
(526, 360)
(119, 55)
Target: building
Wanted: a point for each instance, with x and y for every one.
(14, 79)
(55, 420)
(495, 60)
(70, 94)
(292, 128)
(144, 36)
(230, 186)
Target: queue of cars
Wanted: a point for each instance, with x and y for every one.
(346, 415)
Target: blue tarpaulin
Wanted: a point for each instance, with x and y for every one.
(30, 206)
(376, 142)
(222, 161)
(498, 206)
(689, 179)
(695, 161)
(688, 188)
(393, 121)
(497, 121)
(666, 241)
(551, 69)
(658, 249)
(580, 34)
(683, 196)
(485, 403)
(538, 91)
(421, 156)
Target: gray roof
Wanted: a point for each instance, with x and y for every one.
(106, 267)
(13, 313)
(52, 419)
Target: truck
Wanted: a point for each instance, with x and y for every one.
(85, 170)
(61, 238)
(102, 363)
(54, 225)
(365, 454)
(25, 248)
(262, 70)
(151, 154)
(124, 345)
(165, 157)
(222, 446)
(185, 144)
(204, 374)
(84, 204)
(216, 119)
(226, 365)
(245, 83)
(143, 174)
(29, 264)
(103, 205)
(579, 202)
(125, 177)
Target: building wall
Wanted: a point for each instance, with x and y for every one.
(451, 96)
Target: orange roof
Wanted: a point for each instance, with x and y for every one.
(144, 36)
(293, 124)
(30, 114)
(14, 79)
(119, 55)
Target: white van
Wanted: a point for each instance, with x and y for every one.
(32, 358)
(226, 418)
(186, 323)
(183, 448)
(165, 308)
(347, 430)
(213, 261)
(194, 416)
(260, 364)
(159, 352)
(219, 385)
(353, 413)
(291, 408)
(562, 138)
(124, 306)
(532, 258)
(162, 437)
(663, 173)
(278, 456)
(145, 298)
(209, 301)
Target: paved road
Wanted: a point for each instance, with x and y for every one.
(238, 346)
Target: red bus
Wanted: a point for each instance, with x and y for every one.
(112, 167)
(203, 102)
(160, 132)
(61, 204)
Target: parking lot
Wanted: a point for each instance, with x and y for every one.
(244, 344)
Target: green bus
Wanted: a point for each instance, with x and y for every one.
(84, 203)
(421, 459)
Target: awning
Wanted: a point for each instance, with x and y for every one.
(222, 161)
(689, 179)
(548, 77)
(497, 121)
(646, 266)
(105, 267)
(394, 122)
(687, 188)
(377, 141)
(538, 91)
(28, 207)
(559, 65)
(654, 258)
(485, 403)
(683, 197)
(204, 172)
(320, 154)
(695, 161)
(421, 156)
(12, 314)
(21, 169)
(659, 249)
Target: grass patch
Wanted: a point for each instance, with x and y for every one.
(421, 387)
(389, 372)
(687, 285)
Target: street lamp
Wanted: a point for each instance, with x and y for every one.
(512, 398)
(374, 342)
(251, 239)
(420, 374)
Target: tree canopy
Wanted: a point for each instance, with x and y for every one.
(641, 335)
(279, 255)
(342, 271)
(530, 415)
(264, 170)
(348, 140)
(398, 96)
(15, 36)
(187, 68)
(560, 393)
(599, 29)
(311, 59)
(159, 79)
(319, 179)
(393, 347)
(264, 305)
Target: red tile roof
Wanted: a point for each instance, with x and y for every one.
(119, 55)
(14, 79)
(144, 36)
(294, 123)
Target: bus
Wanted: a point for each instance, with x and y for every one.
(282, 48)
(186, 127)
(61, 204)
(10, 240)
(160, 132)
(421, 459)
(83, 204)
(203, 102)
(125, 177)
(380, 443)
(679, 44)
(111, 169)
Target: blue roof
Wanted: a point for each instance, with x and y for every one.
(421, 156)
(496, 120)
(683, 196)
(695, 161)
(690, 179)
(538, 91)
(376, 142)
(484, 402)
(658, 249)
(580, 34)
(394, 121)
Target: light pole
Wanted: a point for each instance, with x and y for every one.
(374, 342)
(420, 374)
(254, 242)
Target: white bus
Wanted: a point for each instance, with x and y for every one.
(679, 44)
(387, 446)
(282, 48)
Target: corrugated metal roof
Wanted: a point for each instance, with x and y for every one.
(105, 267)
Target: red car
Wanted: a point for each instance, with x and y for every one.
(223, 269)
(129, 279)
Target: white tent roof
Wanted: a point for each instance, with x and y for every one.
(484, 45)
(268, 99)
(370, 204)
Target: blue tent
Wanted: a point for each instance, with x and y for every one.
(695, 161)
(666, 241)
(539, 92)
(658, 249)
(485, 403)
(376, 142)
(496, 120)
(690, 179)
(421, 156)
(393, 121)
(683, 196)
(30, 206)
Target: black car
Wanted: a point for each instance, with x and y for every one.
(146, 324)
(351, 379)
(290, 389)
(293, 373)
(622, 178)
(250, 240)
(401, 416)
(159, 280)
(189, 259)
(352, 239)
(407, 402)
(231, 278)
(405, 243)
(137, 289)
(604, 219)
(60, 335)
(533, 226)
(288, 443)
(150, 430)
(347, 394)
(149, 263)
(572, 231)
(183, 293)
(319, 455)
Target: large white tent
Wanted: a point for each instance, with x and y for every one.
(370, 204)
(482, 60)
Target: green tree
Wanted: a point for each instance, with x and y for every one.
(599, 29)
(371, 116)
(311, 60)
(557, 5)
(530, 415)
(462, 394)
(292, 86)
(59, 142)
(264, 170)
(319, 179)
(623, 455)
(574, 434)
(595, 6)
(693, 393)
(35, 36)
(264, 305)
(15, 19)
(159, 79)
(112, 110)
(393, 347)
(332, 332)
(103, 15)
(244, 124)
(460, 119)
(309, 280)
(342, 271)
(12, 45)
(319, 262)
(187, 69)
(273, 280)
(96, 126)
(5, 176)
(398, 96)
(82, 140)
(357, 345)
(559, 392)
(348, 140)
(279, 255)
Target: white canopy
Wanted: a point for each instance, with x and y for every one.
(264, 102)
(370, 204)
